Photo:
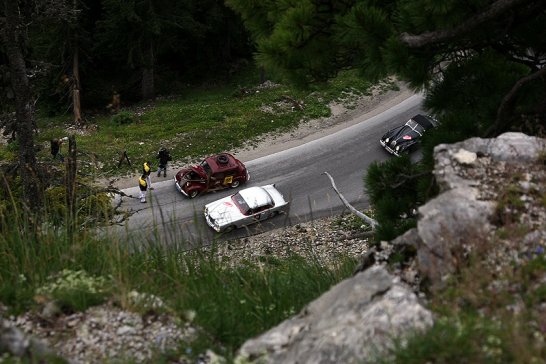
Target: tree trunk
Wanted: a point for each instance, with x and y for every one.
(76, 84)
(24, 106)
(148, 90)
(262, 74)
(76, 104)
(70, 183)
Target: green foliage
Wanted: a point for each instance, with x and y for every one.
(123, 118)
(353, 222)
(229, 304)
(10, 192)
(393, 187)
(13, 146)
(531, 275)
(234, 304)
(98, 206)
(6, 155)
(466, 339)
(291, 39)
(56, 201)
(75, 291)
(91, 206)
(509, 205)
(28, 258)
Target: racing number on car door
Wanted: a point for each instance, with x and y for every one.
(228, 180)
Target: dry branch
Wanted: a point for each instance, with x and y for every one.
(373, 223)
(507, 103)
(295, 103)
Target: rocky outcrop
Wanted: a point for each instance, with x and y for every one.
(351, 323)
(472, 175)
(486, 185)
(359, 317)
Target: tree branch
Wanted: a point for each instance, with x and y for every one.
(373, 223)
(508, 100)
(427, 38)
(406, 177)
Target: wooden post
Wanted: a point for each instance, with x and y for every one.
(70, 182)
(123, 157)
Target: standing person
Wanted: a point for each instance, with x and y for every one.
(146, 171)
(56, 148)
(143, 185)
(164, 157)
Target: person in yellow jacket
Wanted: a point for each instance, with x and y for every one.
(147, 171)
(143, 185)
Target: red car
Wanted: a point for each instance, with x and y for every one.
(214, 173)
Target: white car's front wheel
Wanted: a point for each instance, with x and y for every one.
(229, 228)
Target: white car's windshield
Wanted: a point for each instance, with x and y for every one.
(241, 204)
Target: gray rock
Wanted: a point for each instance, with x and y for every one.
(465, 157)
(508, 147)
(16, 343)
(351, 323)
(448, 222)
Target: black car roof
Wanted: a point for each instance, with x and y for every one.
(425, 121)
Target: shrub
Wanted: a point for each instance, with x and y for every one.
(75, 290)
(123, 118)
(98, 205)
(56, 203)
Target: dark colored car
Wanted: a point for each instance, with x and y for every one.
(214, 173)
(403, 138)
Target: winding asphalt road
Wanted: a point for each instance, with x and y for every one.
(171, 218)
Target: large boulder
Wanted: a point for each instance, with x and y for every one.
(351, 323)
(357, 319)
(470, 175)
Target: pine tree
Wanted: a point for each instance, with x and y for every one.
(481, 63)
(12, 35)
(420, 41)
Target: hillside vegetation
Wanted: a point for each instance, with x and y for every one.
(55, 269)
(197, 122)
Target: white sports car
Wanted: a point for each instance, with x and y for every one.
(245, 207)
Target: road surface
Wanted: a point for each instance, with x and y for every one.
(171, 218)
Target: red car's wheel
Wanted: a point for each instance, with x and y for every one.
(235, 184)
(193, 194)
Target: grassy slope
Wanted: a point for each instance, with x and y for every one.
(196, 123)
(230, 304)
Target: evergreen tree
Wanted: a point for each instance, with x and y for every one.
(58, 42)
(481, 63)
(418, 40)
(145, 34)
(130, 30)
